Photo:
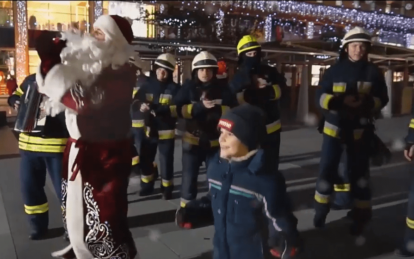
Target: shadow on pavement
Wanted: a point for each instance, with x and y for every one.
(335, 242)
(380, 237)
(152, 219)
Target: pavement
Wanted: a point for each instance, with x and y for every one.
(151, 219)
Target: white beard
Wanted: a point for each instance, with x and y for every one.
(87, 57)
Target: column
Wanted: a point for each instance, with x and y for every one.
(387, 110)
(303, 99)
(21, 39)
(95, 10)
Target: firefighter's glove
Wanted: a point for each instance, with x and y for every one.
(360, 218)
(195, 214)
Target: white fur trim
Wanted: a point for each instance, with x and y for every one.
(61, 253)
(75, 217)
(108, 25)
(39, 78)
(245, 157)
(57, 82)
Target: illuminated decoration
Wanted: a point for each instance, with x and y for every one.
(134, 11)
(310, 30)
(22, 49)
(98, 9)
(322, 56)
(408, 39)
(325, 14)
(189, 49)
(219, 23)
(268, 28)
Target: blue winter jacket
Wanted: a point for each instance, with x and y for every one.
(245, 198)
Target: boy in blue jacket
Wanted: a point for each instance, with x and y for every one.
(244, 196)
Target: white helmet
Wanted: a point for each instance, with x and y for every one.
(166, 61)
(356, 34)
(204, 59)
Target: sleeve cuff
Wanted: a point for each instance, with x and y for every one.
(324, 100)
(57, 82)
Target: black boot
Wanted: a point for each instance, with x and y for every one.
(148, 188)
(167, 191)
(321, 211)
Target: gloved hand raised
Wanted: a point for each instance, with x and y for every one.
(49, 47)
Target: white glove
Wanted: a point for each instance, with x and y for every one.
(53, 108)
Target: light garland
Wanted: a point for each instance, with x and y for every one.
(219, 23)
(268, 28)
(310, 30)
(98, 9)
(22, 48)
(324, 13)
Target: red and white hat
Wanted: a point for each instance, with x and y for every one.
(115, 28)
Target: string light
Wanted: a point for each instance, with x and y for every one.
(268, 28)
(310, 30)
(98, 9)
(323, 13)
(219, 24)
(22, 49)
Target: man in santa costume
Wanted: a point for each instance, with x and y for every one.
(90, 79)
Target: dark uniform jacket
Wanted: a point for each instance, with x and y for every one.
(245, 198)
(201, 123)
(52, 138)
(266, 98)
(362, 79)
(160, 97)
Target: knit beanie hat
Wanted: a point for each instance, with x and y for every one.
(116, 28)
(247, 123)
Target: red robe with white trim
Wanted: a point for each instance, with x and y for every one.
(97, 161)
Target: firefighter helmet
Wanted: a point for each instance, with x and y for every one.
(248, 42)
(356, 34)
(204, 59)
(166, 61)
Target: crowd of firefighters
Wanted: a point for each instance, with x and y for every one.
(352, 92)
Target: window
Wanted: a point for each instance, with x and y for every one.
(6, 69)
(135, 12)
(316, 74)
(338, 3)
(6, 13)
(34, 61)
(58, 15)
(398, 76)
(105, 6)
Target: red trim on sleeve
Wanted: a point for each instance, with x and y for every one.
(69, 101)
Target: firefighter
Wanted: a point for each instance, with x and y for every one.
(407, 248)
(155, 99)
(259, 84)
(352, 91)
(40, 152)
(201, 102)
(137, 129)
